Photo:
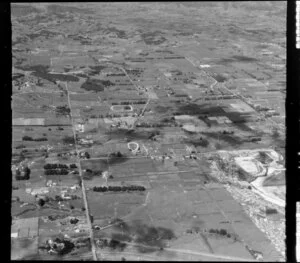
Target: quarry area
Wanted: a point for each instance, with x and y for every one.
(148, 131)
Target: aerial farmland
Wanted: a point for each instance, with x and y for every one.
(148, 131)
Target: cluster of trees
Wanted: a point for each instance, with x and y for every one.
(270, 211)
(116, 74)
(134, 71)
(221, 163)
(58, 198)
(222, 232)
(127, 107)
(201, 142)
(243, 176)
(41, 71)
(50, 166)
(60, 246)
(255, 139)
(84, 155)
(275, 134)
(137, 60)
(178, 95)
(128, 102)
(68, 140)
(56, 172)
(21, 146)
(94, 173)
(89, 174)
(153, 134)
(42, 201)
(113, 244)
(28, 138)
(16, 76)
(96, 69)
(168, 119)
(116, 154)
(96, 84)
(118, 188)
(262, 108)
(24, 174)
(82, 75)
(158, 125)
(228, 132)
(56, 216)
(110, 115)
(63, 110)
(188, 112)
(74, 220)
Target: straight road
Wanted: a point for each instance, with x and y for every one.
(132, 82)
(93, 246)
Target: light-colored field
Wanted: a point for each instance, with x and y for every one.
(28, 121)
(25, 228)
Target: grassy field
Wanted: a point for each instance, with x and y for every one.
(23, 248)
(110, 204)
(181, 206)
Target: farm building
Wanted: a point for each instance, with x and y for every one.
(79, 127)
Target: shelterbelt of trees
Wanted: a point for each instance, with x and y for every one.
(58, 168)
(118, 188)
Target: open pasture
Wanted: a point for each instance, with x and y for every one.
(53, 134)
(88, 111)
(228, 247)
(38, 100)
(196, 209)
(24, 248)
(72, 60)
(112, 205)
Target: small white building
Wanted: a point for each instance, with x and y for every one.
(79, 127)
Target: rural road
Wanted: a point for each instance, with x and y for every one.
(132, 82)
(82, 182)
(259, 189)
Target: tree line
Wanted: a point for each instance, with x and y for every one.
(58, 165)
(221, 232)
(28, 138)
(58, 168)
(56, 172)
(118, 188)
(128, 102)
